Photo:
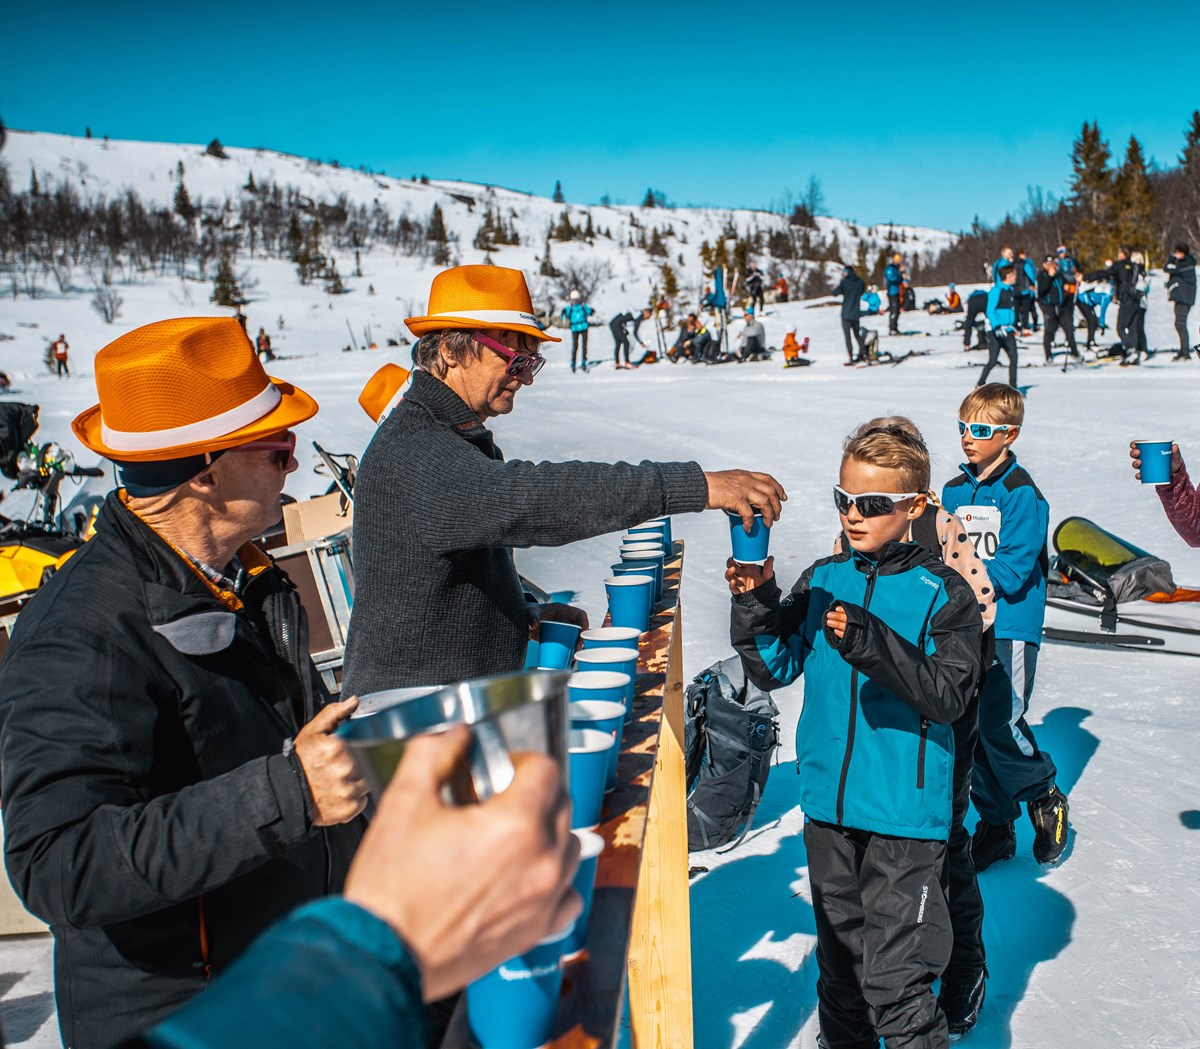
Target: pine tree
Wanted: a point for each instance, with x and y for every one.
(558, 197)
(250, 187)
(656, 247)
(437, 234)
(670, 283)
(1092, 193)
(650, 200)
(1134, 199)
(226, 291)
(547, 267)
(215, 149)
(1189, 164)
(333, 279)
(860, 259)
(183, 203)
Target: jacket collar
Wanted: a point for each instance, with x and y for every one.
(995, 478)
(891, 559)
(444, 404)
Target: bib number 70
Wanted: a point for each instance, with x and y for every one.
(983, 529)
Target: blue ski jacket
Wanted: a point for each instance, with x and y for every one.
(874, 746)
(894, 277)
(576, 314)
(1019, 561)
(1001, 261)
(872, 302)
(1001, 315)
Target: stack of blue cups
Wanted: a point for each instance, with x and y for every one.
(621, 660)
(650, 553)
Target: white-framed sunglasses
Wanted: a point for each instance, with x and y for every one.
(983, 431)
(870, 504)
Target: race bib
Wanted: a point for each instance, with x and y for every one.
(983, 529)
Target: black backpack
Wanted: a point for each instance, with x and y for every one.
(731, 729)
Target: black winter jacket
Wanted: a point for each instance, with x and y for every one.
(1125, 277)
(437, 512)
(851, 290)
(151, 815)
(1181, 282)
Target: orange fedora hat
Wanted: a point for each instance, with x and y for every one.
(479, 297)
(181, 387)
(383, 391)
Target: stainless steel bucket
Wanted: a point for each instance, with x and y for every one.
(507, 714)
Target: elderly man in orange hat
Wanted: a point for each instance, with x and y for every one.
(172, 781)
(438, 510)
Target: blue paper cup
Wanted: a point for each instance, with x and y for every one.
(606, 685)
(630, 598)
(556, 644)
(621, 660)
(604, 716)
(590, 847)
(515, 1005)
(531, 656)
(589, 751)
(1156, 461)
(610, 637)
(749, 549)
(654, 555)
(656, 530)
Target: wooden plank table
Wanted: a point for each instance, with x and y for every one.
(641, 921)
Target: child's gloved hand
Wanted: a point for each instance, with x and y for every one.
(835, 620)
(744, 578)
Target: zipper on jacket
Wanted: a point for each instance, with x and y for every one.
(841, 794)
(921, 754)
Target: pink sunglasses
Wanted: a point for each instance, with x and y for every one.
(520, 364)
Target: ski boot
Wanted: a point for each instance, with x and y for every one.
(961, 1001)
(1048, 814)
(991, 843)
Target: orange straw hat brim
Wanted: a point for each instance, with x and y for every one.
(294, 407)
(423, 325)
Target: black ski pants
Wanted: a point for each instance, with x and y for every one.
(1009, 766)
(578, 343)
(61, 368)
(976, 308)
(757, 302)
(853, 326)
(1129, 312)
(883, 937)
(1182, 309)
(1008, 342)
(1090, 319)
(966, 904)
(754, 350)
(894, 313)
(1060, 316)
(622, 344)
(1027, 312)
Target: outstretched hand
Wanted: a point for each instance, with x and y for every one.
(745, 493)
(744, 578)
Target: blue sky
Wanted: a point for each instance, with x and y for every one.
(928, 114)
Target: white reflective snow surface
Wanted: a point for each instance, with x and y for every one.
(1103, 950)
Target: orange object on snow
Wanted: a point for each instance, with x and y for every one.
(791, 348)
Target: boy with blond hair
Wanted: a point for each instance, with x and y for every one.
(888, 639)
(1007, 518)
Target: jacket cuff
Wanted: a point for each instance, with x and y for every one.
(856, 621)
(293, 800)
(1175, 487)
(766, 596)
(684, 488)
(365, 932)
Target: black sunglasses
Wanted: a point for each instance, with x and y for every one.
(870, 504)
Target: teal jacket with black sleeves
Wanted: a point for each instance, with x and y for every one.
(874, 746)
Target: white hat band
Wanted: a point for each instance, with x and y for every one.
(493, 316)
(205, 430)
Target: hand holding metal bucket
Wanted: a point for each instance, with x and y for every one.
(507, 714)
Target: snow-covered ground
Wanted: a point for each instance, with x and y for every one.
(1101, 951)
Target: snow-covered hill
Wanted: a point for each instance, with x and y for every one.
(101, 168)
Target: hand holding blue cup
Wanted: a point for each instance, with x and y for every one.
(749, 548)
(556, 644)
(1156, 458)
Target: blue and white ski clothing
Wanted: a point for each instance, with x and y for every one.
(893, 275)
(1031, 276)
(1001, 308)
(576, 314)
(1001, 261)
(874, 745)
(871, 302)
(1098, 298)
(1018, 560)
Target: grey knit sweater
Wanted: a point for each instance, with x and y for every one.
(436, 514)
